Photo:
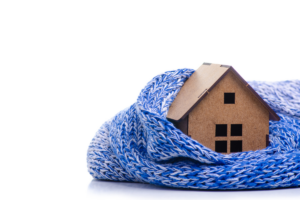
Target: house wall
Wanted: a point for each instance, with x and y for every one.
(182, 125)
(247, 111)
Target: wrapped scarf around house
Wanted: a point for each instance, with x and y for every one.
(140, 145)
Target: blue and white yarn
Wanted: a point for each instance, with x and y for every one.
(140, 145)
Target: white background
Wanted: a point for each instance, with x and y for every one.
(67, 66)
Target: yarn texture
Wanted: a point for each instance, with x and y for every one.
(140, 145)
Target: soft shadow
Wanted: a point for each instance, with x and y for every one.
(99, 185)
(148, 191)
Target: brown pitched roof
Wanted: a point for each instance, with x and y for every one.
(202, 81)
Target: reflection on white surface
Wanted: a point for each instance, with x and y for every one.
(68, 66)
(125, 190)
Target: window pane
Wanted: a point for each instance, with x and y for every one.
(236, 146)
(236, 129)
(221, 130)
(229, 98)
(221, 146)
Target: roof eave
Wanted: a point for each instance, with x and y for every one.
(272, 114)
(204, 95)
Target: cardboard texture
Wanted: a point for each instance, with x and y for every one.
(247, 111)
(199, 107)
(183, 125)
(195, 87)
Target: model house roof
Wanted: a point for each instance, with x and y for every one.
(201, 82)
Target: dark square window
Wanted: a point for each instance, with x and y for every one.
(229, 98)
(221, 130)
(236, 129)
(236, 146)
(221, 146)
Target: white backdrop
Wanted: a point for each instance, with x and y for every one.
(67, 66)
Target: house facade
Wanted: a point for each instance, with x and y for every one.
(219, 109)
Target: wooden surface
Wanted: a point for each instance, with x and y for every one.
(183, 125)
(202, 79)
(247, 110)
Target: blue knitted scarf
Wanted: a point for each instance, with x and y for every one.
(140, 145)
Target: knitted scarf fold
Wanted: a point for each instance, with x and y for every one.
(139, 144)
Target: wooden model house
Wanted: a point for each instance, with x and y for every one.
(219, 109)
